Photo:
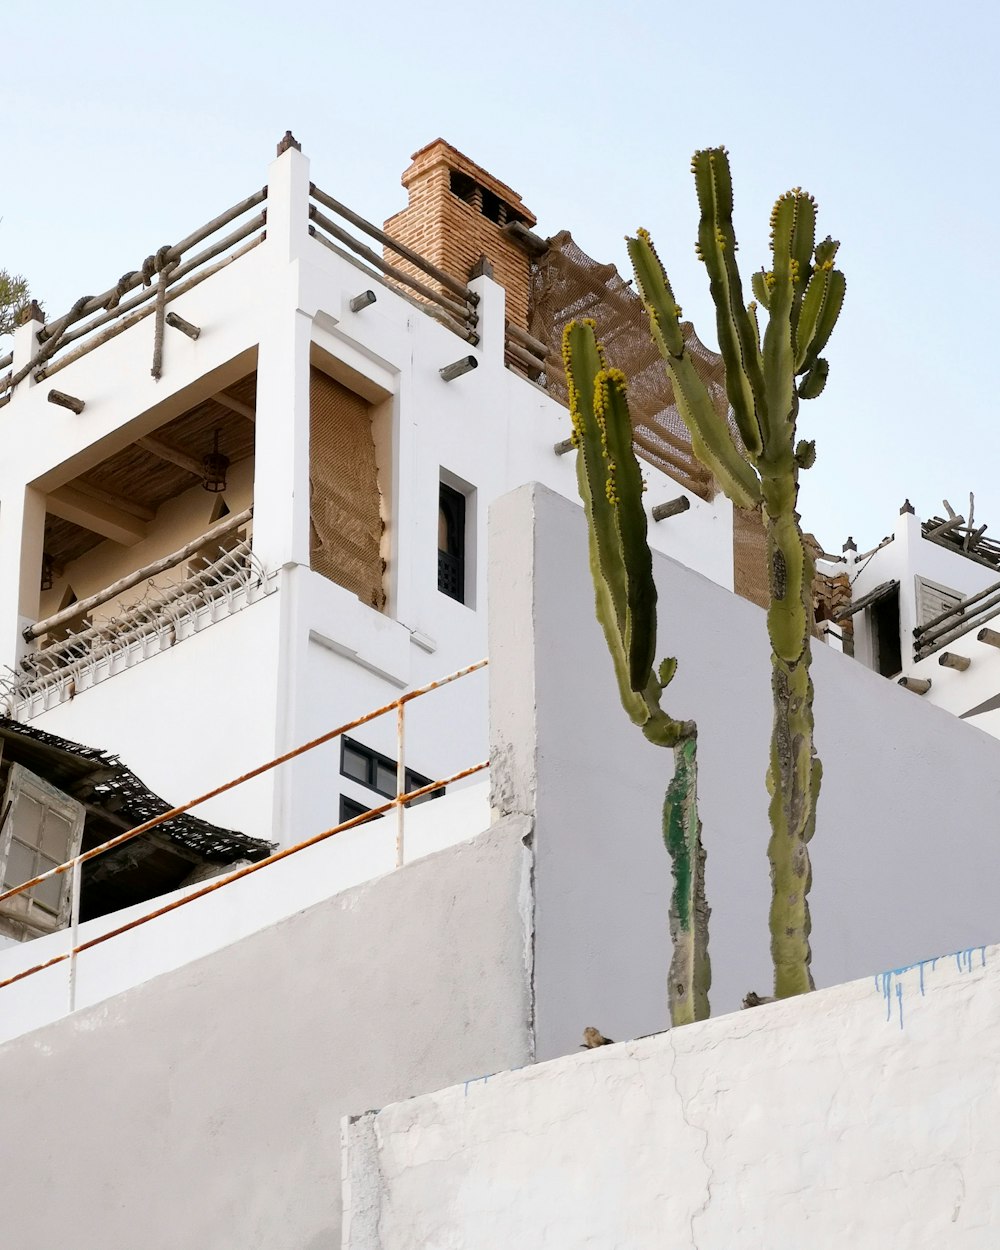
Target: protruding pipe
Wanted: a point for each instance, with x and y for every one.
(562, 448)
(919, 685)
(671, 508)
(67, 401)
(177, 322)
(465, 365)
(989, 636)
(362, 301)
(948, 659)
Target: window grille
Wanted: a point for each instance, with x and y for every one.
(451, 543)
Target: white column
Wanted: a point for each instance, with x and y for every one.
(281, 470)
(25, 346)
(22, 531)
(492, 312)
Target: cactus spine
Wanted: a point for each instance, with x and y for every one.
(611, 487)
(802, 294)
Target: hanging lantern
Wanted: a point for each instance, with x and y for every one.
(48, 575)
(213, 469)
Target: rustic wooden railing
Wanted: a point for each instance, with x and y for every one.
(527, 355)
(445, 298)
(956, 621)
(162, 277)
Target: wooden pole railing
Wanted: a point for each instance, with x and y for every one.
(83, 606)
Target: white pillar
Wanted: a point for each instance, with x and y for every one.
(22, 531)
(25, 346)
(281, 469)
(492, 313)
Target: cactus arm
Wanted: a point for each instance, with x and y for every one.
(717, 249)
(821, 305)
(690, 967)
(761, 291)
(583, 363)
(710, 438)
(625, 489)
(811, 385)
(777, 350)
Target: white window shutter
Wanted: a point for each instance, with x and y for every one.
(42, 827)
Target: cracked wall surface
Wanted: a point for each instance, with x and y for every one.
(857, 1116)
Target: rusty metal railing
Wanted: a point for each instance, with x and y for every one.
(75, 864)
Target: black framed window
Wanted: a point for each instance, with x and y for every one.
(349, 809)
(378, 772)
(451, 543)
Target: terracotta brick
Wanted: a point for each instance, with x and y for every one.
(453, 234)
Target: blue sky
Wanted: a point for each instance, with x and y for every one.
(129, 124)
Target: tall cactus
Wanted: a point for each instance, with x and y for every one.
(765, 379)
(611, 488)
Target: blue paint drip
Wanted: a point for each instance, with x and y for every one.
(474, 1080)
(884, 981)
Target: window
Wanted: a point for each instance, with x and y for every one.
(933, 599)
(451, 543)
(378, 773)
(42, 827)
(349, 809)
(884, 619)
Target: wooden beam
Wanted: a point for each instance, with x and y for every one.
(171, 455)
(867, 600)
(235, 405)
(116, 501)
(100, 518)
(83, 606)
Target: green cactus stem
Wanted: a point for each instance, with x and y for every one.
(690, 968)
(802, 294)
(611, 487)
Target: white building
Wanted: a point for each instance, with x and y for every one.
(245, 1021)
(923, 604)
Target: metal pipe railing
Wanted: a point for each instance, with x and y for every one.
(74, 865)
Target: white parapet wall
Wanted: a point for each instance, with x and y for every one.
(867, 1115)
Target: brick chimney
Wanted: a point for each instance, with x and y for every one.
(456, 215)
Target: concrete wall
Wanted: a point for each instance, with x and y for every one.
(816, 1123)
(222, 917)
(906, 853)
(202, 1108)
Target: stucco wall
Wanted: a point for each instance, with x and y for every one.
(816, 1123)
(203, 1108)
(906, 854)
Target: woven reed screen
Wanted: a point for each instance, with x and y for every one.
(345, 529)
(750, 574)
(569, 285)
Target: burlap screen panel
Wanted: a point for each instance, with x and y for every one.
(750, 573)
(569, 285)
(345, 530)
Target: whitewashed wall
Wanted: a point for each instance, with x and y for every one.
(866, 1116)
(202, 1108)
(906, 854)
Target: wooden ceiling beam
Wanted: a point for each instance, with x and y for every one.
(165, 452)
(235, 405)
(116, 501)
(100, 518)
